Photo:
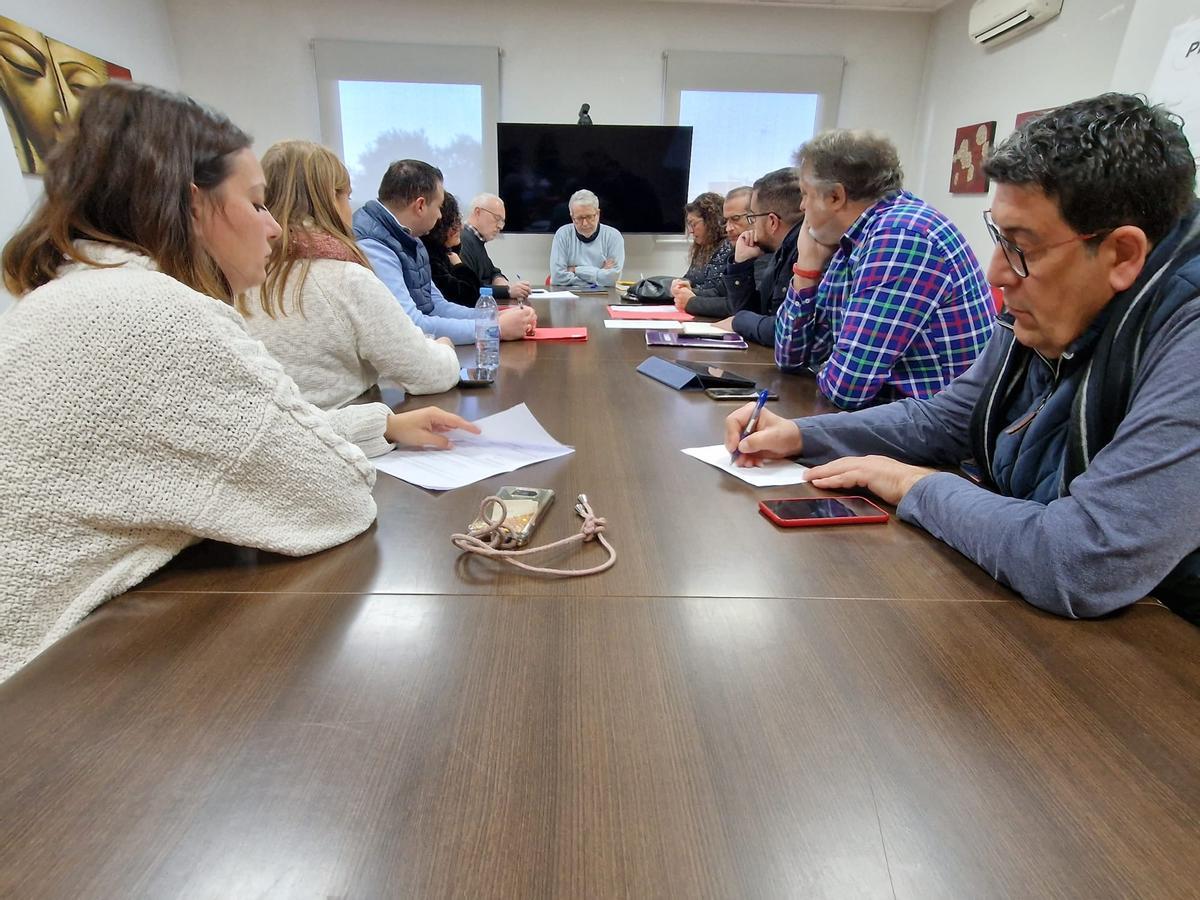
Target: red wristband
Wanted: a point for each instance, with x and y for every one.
(810, 274)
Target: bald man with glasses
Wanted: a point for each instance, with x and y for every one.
(484, 223)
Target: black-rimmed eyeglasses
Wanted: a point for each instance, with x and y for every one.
(751, 216)
(1017, 258)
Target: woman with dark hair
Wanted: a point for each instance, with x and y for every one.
(454, 278)
(711, 252)
(137, 416)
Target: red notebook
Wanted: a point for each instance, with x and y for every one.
(676, 315)
(558, 334)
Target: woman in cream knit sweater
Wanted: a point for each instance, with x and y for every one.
(322, 313)
(136, 414)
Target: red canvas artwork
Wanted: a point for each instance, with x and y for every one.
(972, 143)
(1024, 117)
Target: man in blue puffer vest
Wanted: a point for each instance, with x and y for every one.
(1083, 412)
(389, 232)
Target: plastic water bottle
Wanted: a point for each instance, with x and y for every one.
(487, 332)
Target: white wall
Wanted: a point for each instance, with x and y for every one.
(131, 33)
(1145, 38)
(252, 60)
(1066, 59)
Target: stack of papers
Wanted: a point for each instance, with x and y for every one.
(649, 312)
(643, 324)
(558, 334)
(770, 474)
(539, 294)
(707, 329)
(509, 440)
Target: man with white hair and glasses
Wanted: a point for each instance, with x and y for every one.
(586, 253)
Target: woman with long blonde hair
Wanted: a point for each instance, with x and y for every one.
(322, 312)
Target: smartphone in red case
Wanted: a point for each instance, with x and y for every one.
(795, 512)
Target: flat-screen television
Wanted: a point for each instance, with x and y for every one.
(639, 172)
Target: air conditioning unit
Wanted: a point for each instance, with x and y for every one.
(996, 21)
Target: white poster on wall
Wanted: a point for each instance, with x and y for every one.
(1177, 82)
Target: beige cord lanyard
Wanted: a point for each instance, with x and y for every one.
(495, 541)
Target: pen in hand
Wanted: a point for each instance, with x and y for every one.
(750, 425)
(520, 300)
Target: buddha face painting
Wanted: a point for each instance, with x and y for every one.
(42, 81)
(29, 87)
(77, 71)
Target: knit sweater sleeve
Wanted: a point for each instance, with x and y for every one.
(712, 305)
(560, 257)
(387, 338)
(614, 249)
(295, 484)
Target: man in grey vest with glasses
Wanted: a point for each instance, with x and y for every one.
(1082, 415)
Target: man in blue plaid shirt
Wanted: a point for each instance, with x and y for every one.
(887, 300)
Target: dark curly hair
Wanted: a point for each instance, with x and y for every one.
(451, 219)
(1108, 161)
(710, 208)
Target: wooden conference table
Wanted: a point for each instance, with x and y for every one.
(732, 710)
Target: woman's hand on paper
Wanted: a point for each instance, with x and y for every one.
(425, 428)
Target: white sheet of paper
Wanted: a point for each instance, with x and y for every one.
(510, 440)
(553, 295)
(702, 328)
(668, 307)
(644, 324)
(770, 474)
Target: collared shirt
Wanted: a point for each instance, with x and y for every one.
(902, 308)
(440, 317)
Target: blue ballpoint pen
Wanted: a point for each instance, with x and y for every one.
(750, 425)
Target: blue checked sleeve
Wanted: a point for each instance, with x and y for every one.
(895, 290)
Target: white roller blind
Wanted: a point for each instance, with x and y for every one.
(433, 102)
(772, 73)
(749, 112)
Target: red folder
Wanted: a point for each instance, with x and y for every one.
(558, 334)
(676, 315)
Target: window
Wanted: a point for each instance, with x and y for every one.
(383, 102)
(771, 127)
(748, 112)
(384, 121)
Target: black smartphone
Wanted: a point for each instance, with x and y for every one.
(473, 377)
(720, 393)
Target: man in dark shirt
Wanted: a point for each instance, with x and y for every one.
(485, 221)
(773, 222)
(712, 301)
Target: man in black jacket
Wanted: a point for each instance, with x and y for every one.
(774, 222)
(485, 221)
